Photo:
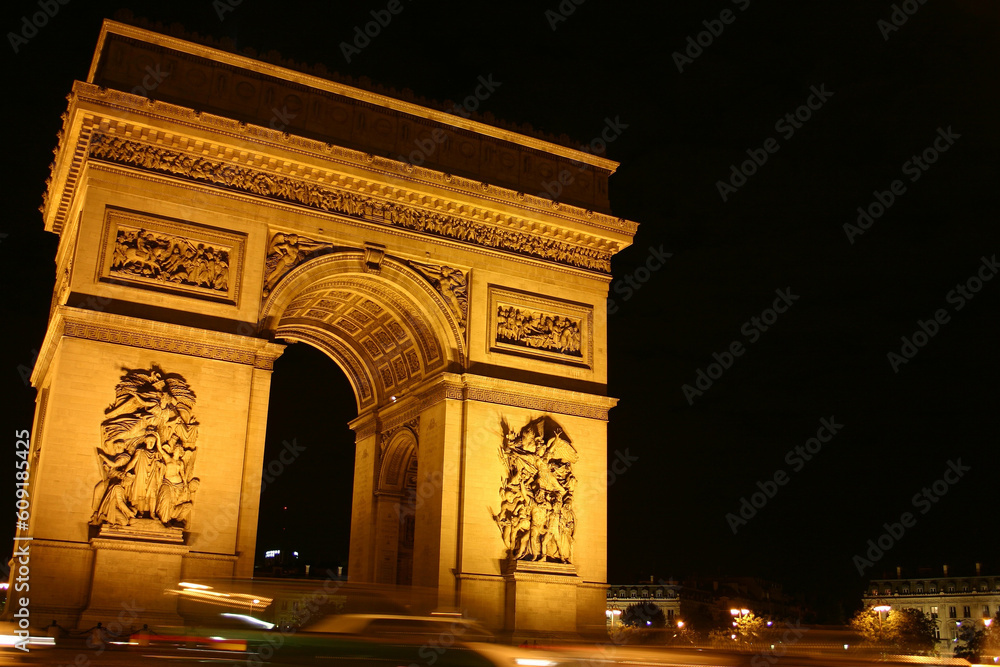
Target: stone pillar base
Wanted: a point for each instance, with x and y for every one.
(132, 580)
(540, 598)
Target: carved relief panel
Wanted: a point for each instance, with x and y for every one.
(171, 256)
(530, 325)
(147, 453)
(537, 518)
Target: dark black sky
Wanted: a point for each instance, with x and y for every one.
(826, 357)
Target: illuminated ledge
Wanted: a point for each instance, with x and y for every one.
(522, 567)
(147, 530)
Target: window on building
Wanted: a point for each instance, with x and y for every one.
(986, 611)
(937, 633)
(951, 588)
(920, 589)
(965, 588)
(966, 612)
(933, 588)
(888, 591)
(659, 592)
(934, 612)
(952, 613)
(906, 591)
(875, 591)
(670, 614)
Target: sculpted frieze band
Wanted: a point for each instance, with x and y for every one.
(325, 198)
(537, 519)
(147, 452)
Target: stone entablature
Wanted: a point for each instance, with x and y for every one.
(93, 130)
(285, 100)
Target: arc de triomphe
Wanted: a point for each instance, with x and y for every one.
(251, 204)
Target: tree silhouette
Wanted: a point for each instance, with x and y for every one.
(644, 615)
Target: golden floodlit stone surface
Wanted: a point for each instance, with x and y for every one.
(467, 314)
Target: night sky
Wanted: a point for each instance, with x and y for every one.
(841, 108)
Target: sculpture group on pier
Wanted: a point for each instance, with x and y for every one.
(148, 451)
(537, 519)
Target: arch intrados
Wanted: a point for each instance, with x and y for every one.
(407, 299)
(416, 297)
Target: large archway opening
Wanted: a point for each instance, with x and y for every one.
(389, 328)
(306, 487)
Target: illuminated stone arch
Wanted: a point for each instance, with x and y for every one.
(462, 309)
(388, 330)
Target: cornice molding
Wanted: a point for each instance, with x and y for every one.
(145, 334)
(86, 94)
(537, 398)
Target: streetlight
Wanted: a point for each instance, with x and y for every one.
(883, 608)
(612, 613)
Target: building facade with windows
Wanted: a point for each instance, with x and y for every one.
(950, 598)
(704, 603)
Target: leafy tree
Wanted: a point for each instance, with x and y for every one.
(899, 630)
(679, 633)
(978, 645)
(745, 631)
(644, 615)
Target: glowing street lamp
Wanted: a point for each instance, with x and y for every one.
(881, 609)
